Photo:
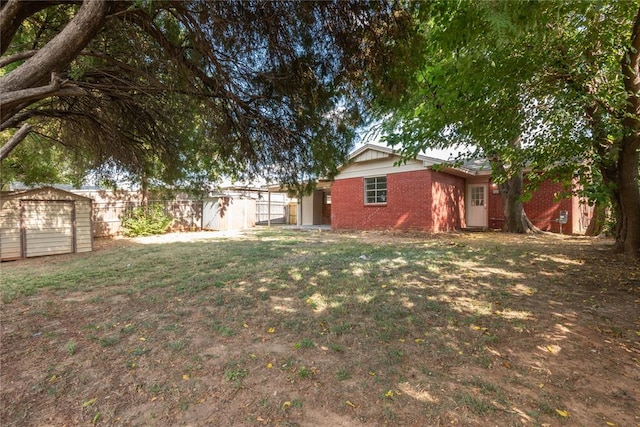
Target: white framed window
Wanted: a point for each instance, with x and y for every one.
(375, 190)
(477, 196)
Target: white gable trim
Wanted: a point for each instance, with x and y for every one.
(368, 155)
(371, 159)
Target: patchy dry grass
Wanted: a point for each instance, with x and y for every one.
(304, 328)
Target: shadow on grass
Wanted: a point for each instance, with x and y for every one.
(456, 326)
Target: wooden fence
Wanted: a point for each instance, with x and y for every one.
(279, 212)
(187, 214)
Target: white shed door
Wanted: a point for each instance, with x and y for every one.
(48, 227)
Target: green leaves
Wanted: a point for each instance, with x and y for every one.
(492, 72)
(145, 221)
(181, 93)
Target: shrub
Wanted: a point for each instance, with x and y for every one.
(145, 221)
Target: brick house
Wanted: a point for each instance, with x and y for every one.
(376, 191)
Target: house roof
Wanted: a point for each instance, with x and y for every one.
(479, 166)
(321, 184)
(371, 152)
(391, 152)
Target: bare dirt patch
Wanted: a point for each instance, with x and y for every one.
(324, 329)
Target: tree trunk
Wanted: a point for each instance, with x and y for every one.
(55, 55)
(515, 218)
(596, 225)
(629, 240)
(606, 151)
(629, 157)
(144, 190)
(610, 177)
(12, 14)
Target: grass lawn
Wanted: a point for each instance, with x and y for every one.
(282, 327)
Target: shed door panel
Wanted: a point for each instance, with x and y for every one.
(48, 228)
(10, 245)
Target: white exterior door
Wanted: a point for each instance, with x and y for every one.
(477, 205)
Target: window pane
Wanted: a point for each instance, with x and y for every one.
(477, 196)
(375, 189)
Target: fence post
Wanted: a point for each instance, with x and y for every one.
(268, 207)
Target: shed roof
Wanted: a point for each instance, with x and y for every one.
(42, 193)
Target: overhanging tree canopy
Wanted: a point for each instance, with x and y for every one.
(550, 85)
(181, 90)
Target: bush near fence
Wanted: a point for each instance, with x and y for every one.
(186, 214)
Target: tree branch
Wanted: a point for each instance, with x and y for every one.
(14, 12)
(120, 89)
(56, 55)
(14, 140)
(10, 59)
(8, 15)
(42, 113)
(55, 88)
(123, 66)
(16, 57)
(61, 50)
(17, 119)
(146, 24)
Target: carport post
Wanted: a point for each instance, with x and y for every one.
(268, 206)
(299, 218)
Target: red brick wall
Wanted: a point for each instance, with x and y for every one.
(423, 200)
(448, 202)
(434, 201)
(542, 209)
(408, 203)
(496, 213)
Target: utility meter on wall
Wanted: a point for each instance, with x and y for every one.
(564, 217)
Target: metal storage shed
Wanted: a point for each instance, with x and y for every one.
(228, 213)
(44, 221)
